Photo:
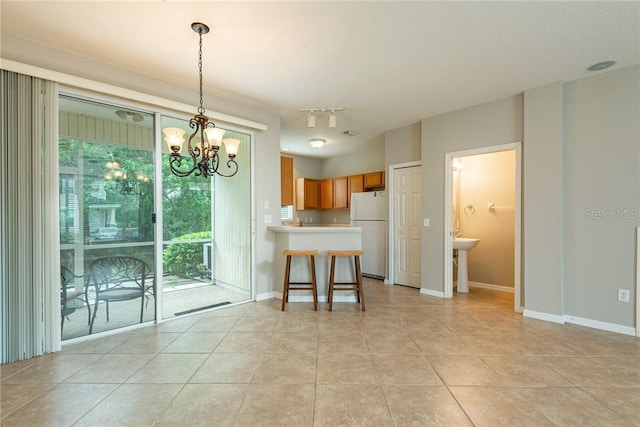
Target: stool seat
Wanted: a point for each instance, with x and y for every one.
(289, 285)
(299, 253)
(345, 253)
(346, 286)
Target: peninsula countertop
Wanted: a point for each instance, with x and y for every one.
(318, 228)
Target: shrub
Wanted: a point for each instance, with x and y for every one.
(185, 259)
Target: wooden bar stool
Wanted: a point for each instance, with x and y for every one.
(346, 286)
(309, 286)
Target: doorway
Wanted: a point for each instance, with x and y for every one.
(405, 243)
(492, 212)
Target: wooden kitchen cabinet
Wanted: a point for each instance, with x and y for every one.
(286, 181)
(341, 194)
(356, 184)
(326, 194)
(307, 193)
(374, 180)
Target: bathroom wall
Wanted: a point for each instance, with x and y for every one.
(484, 179)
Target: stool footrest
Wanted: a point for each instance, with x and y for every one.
(300, 288)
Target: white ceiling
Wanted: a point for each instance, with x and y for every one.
(389, 64)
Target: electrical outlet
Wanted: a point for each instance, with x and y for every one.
(623, 295)
(267, 219)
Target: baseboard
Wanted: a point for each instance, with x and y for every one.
(432, 293)
(490, 286)
(268, 295)
(231, 287)
(605, 326)
(555, 318)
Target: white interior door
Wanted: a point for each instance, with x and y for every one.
(407, 206)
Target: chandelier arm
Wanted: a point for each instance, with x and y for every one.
(235, 171)
(175, 162)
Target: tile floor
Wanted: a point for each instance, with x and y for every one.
(410, 359)
(127, 313)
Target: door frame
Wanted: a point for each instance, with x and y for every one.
(518, 304)
(390, 280)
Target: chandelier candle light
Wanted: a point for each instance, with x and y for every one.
(204, 152)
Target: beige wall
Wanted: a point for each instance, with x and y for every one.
(484, 179)
(542, 201)
(602, 200)
(494, 123)
(366, 160)
(402, 145)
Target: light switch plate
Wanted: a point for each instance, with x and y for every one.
(267, 219)
(427, 222)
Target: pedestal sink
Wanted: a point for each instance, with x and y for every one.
(463, 244)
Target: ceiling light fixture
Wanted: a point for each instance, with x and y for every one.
(123, 114)
(311, 117)
(205, 160)
(317, 142)
(601, 65)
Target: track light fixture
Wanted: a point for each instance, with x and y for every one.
(311, 119)
(311, 116)
(332, 119)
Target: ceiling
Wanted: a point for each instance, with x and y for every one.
(388, 64)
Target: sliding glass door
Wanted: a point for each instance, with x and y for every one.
(110, 274)
(106, 208)
(206, 233)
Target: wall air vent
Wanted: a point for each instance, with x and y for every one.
(350, 133)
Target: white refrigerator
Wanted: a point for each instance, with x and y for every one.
(369, 211)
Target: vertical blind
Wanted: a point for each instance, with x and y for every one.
(29, 241)
(232, 221)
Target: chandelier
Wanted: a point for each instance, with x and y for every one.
(204, 142)
(121, 182)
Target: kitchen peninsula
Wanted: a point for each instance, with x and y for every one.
(322, 239)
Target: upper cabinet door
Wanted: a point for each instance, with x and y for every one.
(326, 194)
(307, 194)
(374, 180)
(341, 193)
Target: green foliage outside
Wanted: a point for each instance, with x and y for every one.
(185, 259)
